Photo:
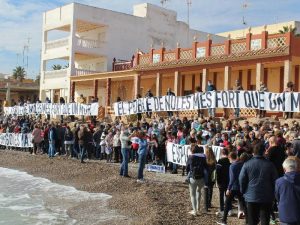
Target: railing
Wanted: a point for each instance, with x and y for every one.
(88, 43)
(208, 49)
(80, 72)
(56, 73)
(122, 65)
(57, 43)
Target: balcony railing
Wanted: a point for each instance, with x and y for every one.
(57, 43)
(255, 42)
(88, 43)
(56, 73)
(122, 64)
(80, 72)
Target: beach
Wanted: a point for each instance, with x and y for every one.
(162, 199)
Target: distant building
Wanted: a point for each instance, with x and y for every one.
(95, 36)
(12, 90)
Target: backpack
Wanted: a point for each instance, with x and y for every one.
(197, 168)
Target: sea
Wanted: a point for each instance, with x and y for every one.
(25, 199)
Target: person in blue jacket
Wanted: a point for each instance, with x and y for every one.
(257, 184)
(287, 192)
(142, 151)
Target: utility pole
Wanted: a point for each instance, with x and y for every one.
(189, 4)
(163, 2)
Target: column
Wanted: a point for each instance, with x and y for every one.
(72, 92)
(227, 78)
(177, 83)
(193, 83)
(259, 75)
(287, 72)
(96, 88)
(158, 84)
(72, 43)
(108, 91)
(204, 79)
(137, 84)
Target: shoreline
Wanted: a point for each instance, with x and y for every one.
(162, 199)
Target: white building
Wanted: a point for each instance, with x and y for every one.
(94, 36)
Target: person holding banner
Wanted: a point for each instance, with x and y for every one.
(196, 168)
(211, 87)
(289, 88)
(170, 93)
(149, 95)
(238, 87)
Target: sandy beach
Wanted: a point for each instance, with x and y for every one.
(162, 199)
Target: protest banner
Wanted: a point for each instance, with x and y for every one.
(282, 102)
(67, 109)
(178, 154)
(16, 140)
(155, 168)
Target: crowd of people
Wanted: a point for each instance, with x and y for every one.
(259, 164)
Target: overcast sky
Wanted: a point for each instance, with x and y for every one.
(22, 19)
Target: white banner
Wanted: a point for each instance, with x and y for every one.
(178, 154)
(16, 140)
(282, 102)
(54, 109)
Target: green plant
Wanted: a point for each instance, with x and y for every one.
(19, 73)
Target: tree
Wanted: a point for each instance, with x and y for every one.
(56, 67)
(19, 73)
(287, 29)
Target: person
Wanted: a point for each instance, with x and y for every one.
(36, 139)
(289, 88)
(170, 93)
(109, 146)
(211, 87)
(47, 100)
(222, 172)
(125, 147)
(276, 155)
(233, 189)
(83, 142)
(211, 176)
(96, 139)
(116, 146)
(142, 151)
(69, 141)
(263, 88)
(196, 167)
(52, 140)
(287, 192)
(238, 87)
(199, 111)
(296, 146)
(139, 115)
(82, 100)
(149, 95)
(257, 182)
(62, 101)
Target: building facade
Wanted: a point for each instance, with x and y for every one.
(272, 59)
(93, 37)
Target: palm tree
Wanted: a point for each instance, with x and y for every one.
(287, 29)
(19, 73)
(56, 67)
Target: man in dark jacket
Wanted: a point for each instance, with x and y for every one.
(287, 192)
(233, 189)
(223, 177)
(211, 87)
(83, 139)
(170, 93)
(257, 182)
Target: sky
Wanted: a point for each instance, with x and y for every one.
(21, 21)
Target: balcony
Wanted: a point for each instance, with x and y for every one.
(81, 72)
(64, 42)
(56, 73)
(88, 43)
